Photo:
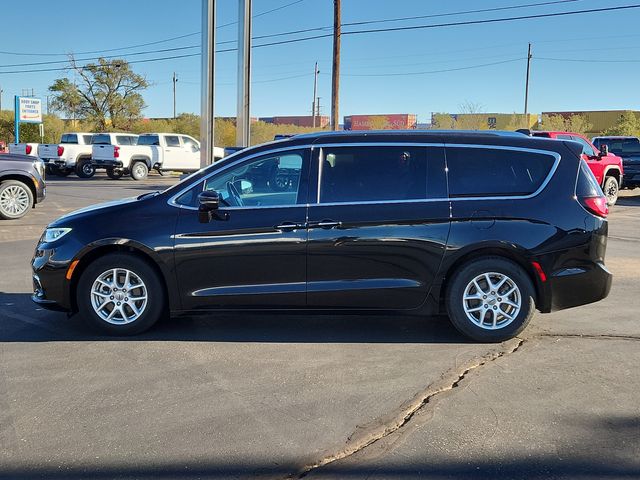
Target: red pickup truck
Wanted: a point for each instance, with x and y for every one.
(606, 166)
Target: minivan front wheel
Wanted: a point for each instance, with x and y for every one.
(120, 294)
(490, 299)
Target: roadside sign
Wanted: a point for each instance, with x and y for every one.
(30, 109)
(27, 110)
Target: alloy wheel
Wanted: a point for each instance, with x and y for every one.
(14, 200)
(492, 301)
(119, 296)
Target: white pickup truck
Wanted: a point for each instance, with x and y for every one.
(160, 151)
(30, 149)
(72, 154)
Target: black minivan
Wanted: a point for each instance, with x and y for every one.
(486, 227)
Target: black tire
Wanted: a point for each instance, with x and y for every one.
(84, 169)
(62, 172)
(611, 189)
(462, 279)
(114, 174)
(153, 310)
(139, 170)
(16, 199)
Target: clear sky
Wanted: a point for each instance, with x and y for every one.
(604, 47)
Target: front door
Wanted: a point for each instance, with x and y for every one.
(253, 252)
(378, 227)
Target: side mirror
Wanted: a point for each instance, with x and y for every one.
(209, 200)
(604, 150)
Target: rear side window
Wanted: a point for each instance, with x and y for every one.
(126, 140)
(69, 138)
(148, 140)
(477, 172)
(372, 173)
(101, 139)
(87, 139)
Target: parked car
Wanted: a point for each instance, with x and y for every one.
(628, 148)
(3, 147)
(414, 222)
(22, 185)
(72, 154)
(160, 151)
(606, 167)
(30, 149)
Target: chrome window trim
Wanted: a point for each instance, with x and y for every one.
(172, 201)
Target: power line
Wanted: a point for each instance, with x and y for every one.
(583, 60)
(466, 12)
(403, 74)
(493, 20)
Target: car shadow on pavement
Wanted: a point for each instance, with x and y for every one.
(603, 450)
(23, 321)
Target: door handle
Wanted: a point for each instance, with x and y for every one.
(289, 226)
(326, 224)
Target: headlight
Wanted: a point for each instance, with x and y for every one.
(53, 234)
(39, 166)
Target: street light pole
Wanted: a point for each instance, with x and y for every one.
(335, 74)
(207, 112)
(243, 116)
(315, 93)
(175, 80)
(526, 88)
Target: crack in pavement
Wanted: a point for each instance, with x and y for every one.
(384, 427)
(607, 336)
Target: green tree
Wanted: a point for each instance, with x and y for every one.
(107, 94)
(572, 123)
(627, 124)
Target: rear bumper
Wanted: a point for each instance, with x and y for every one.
(106, 163)
(572, 287)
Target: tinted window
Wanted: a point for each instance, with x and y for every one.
(360, 174)
(564, 137)
(267, 181)
(87, 139)
(69, 138)
(587, 185)
(101, 139)
(495, 172)
(126, 140)
(622, 146)
(172, 140)
(148, 140)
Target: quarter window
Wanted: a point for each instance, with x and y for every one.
(371, 174)
(495, 172)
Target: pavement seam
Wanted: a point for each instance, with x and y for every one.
(358, 441)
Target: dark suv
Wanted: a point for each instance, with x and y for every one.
(487, 227)
(22, 185)
(628, 148)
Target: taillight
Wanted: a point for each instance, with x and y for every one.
(28, 149)
(596, 205)
(60, 150)
(116, 152)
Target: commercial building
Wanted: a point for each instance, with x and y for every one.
(484, 121)
(395, 121)
(600, 120)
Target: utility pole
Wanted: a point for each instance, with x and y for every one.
(207, 112)
(526, 88)
(175, 80)
(335, 74)
(243, 117)
(315, 93)
(1, 97)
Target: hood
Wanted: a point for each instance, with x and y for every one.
(92, 209)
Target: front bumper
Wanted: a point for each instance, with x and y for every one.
(51, 289)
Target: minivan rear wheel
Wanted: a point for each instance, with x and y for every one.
(120, 294)
(490, 299)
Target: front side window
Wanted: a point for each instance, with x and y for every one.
(172, 140)
(190, 144)
(373, 173)
(475, 172)
(268, 181)
(587, 149)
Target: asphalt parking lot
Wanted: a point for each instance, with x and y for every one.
(284, 396)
